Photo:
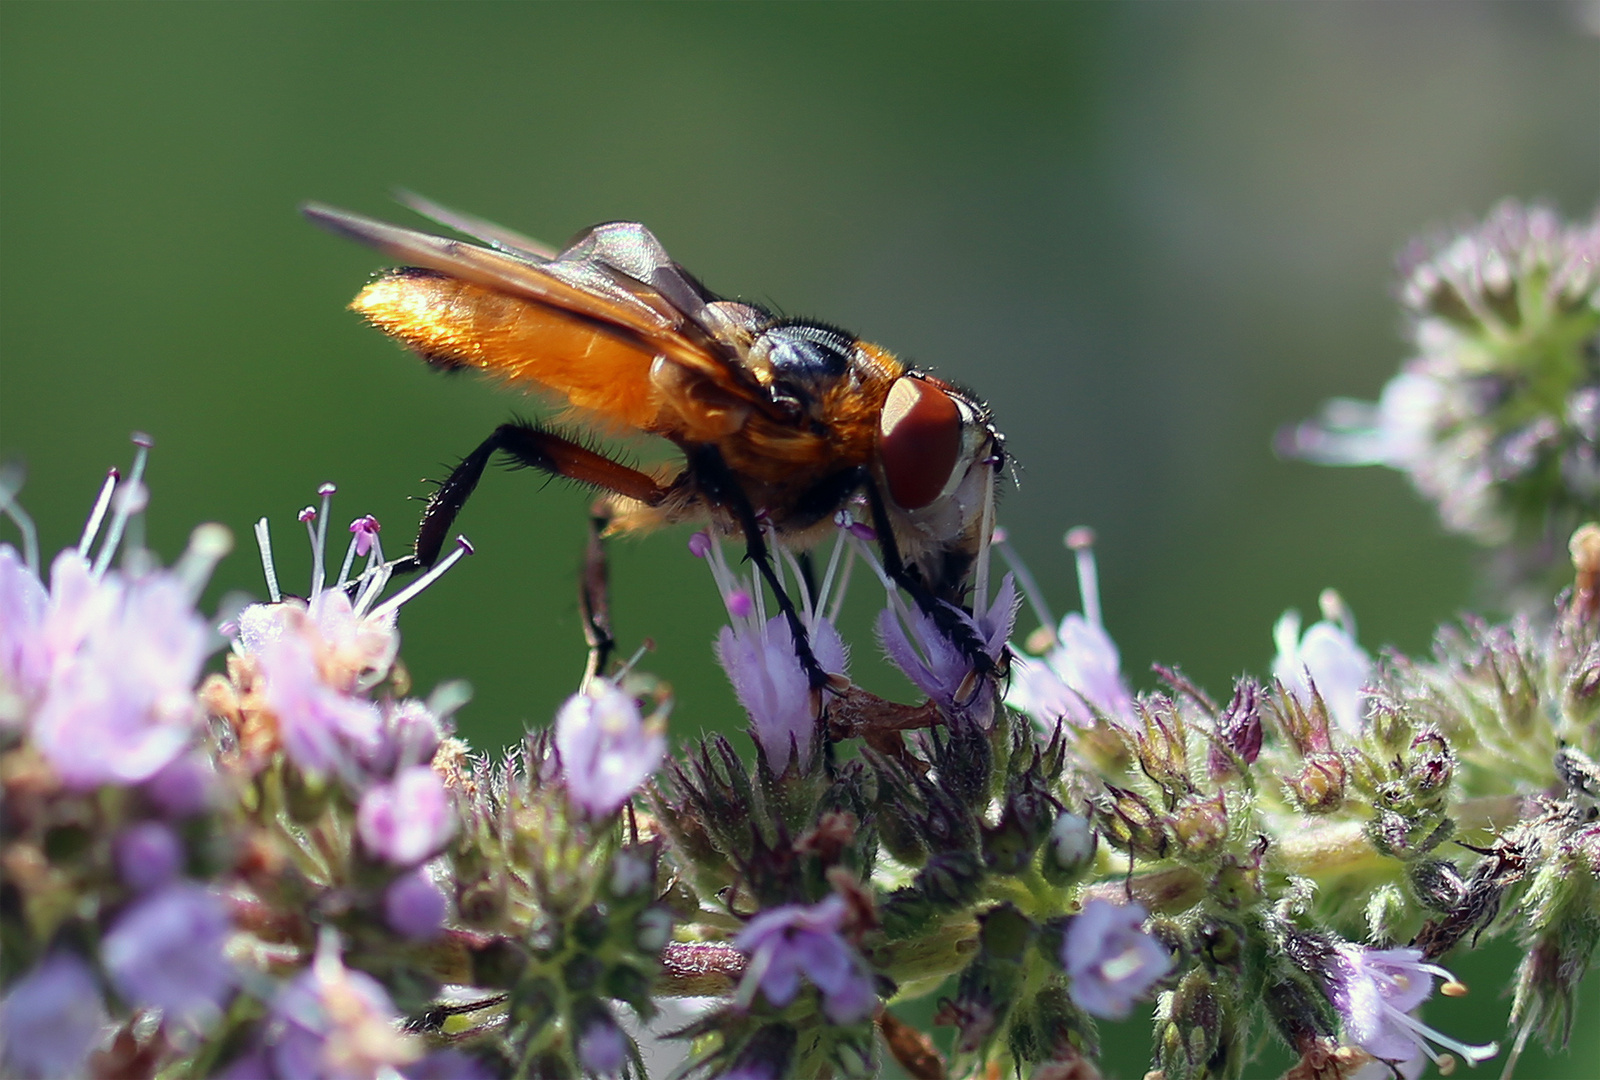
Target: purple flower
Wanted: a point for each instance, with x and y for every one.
(759, 657)
(408, 819)
(797, 939)
(24, 661)
(1079, 679)
(323, 729)
(123, 657)
(602, 1047)
(52, 1018)
(606, 748)
(184, 787)
(933, 663)
(447, 1065)
(414, 907)
(331, 1023)
(148, 854)
(1111, 960)
(409, 735)
(1377, 991)
(166, 952)
(1326, 656)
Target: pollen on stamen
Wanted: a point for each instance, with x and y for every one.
(1453, 988)
(700, 545)
(740, 604)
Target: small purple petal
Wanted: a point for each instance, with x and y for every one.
(1111, 960)
(414, 907)
(409, 819)
(166, 952)
(796, 939)
(148, 854)
(603, 1048)
(51, 1020)
(607, 749)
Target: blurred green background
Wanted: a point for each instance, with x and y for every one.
(1149, 234)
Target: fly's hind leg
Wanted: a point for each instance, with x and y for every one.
(532, 447)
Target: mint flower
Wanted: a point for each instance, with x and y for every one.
(408, 819)
(1496, 417)
(607, 749)
(166, 952)
(1326, 657)
(758, 655)
(933, 663)
(1377, 991)
(51, 1019)
(1079, 678)
(1111, 960)
(786, 942)
(330, 1023)
(101, 668)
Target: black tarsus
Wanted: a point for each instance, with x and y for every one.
(524, 442)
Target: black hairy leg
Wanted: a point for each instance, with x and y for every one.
(532, 447)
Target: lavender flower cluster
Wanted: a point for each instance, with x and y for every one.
(290, 867)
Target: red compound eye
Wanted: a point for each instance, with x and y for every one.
(919, 441)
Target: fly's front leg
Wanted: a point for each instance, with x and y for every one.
(945, 616)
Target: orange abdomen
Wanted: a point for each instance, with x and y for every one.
(454, 324)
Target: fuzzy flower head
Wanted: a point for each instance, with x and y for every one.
(1111, 960)
(758, 653)
(1496, 418)
(52, 1018)
(302, 668)
(938, 666)
(1327, 657)
(166, 952)
(606, 747)
(799, 939)
(331, 1022)
(1079, 678)
(1377, 992)
(100, 668)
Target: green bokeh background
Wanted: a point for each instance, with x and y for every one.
(1149, 234)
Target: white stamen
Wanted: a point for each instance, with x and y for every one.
(1474, 1054)
(800, 587)
(844, 584)
(349, 558)
(207, 546)
(264, 545)
(10, 484)
(372, 582)
(830, 611)
(393, 603)
(126, 506)
(1081, 541)
(1030, 586)
(319, 542)
(980, 583)
(91, 528)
